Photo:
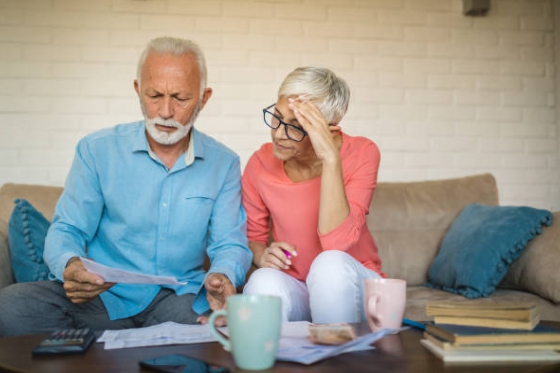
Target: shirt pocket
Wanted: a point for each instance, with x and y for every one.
(197, 212)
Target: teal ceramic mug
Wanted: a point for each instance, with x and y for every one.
(254, 323)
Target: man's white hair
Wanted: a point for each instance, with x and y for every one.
(167, 45)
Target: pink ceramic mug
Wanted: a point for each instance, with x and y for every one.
(384, 301)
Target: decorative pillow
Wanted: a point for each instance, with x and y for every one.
(536, 269)
(481, 244)
(27, 229)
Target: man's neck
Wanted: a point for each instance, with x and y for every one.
(169, 154)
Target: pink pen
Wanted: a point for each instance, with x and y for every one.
(287, 254)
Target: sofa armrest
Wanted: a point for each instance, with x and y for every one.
(6, 273)
(536, 269)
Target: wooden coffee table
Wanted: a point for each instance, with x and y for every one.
(394, 353)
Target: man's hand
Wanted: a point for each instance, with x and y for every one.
(218, 287)
(80, 285)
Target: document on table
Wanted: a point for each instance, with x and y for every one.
(295, 346)
(120, 276)
(157, 335)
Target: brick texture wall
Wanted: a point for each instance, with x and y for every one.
(442, 94)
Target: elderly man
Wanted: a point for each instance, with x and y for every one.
(154, 197)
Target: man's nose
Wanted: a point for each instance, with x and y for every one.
(165, 109)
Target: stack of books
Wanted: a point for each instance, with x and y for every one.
(484, 331)
(485, 312)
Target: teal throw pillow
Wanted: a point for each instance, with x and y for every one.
(481, 244)
(27, 229)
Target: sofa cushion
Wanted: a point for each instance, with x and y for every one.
(536, 270)
(409, 220)
(6, 273)
(26, 235)
(481, 244)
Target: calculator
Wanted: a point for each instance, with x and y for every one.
(65, 341)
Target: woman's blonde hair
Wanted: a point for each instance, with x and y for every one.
(320, 85)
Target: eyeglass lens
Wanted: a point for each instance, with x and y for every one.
(292, 131)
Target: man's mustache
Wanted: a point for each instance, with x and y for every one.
(164, 122)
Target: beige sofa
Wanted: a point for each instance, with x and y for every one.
(408, 221)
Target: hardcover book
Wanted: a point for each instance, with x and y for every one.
(464, 334)
(489, 355)
(446, 345)
(488, 322)
(484, 308)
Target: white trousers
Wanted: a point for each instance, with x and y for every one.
(333, 291)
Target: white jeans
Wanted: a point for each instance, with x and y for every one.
(333, 291)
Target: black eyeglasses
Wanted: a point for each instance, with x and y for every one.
(273, 121)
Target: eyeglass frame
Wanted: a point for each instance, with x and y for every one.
(265, 110)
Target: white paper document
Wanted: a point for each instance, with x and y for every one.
(120, 276)
(157, 335)
(296, 347)
(294, 344)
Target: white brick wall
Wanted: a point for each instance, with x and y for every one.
(443, 95)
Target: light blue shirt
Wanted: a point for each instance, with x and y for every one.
(133, 213)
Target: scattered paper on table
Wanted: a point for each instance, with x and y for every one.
(120, 276)
(295, 345)
(157, 335)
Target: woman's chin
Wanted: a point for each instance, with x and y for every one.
(282, 154)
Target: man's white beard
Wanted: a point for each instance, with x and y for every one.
(169, 138)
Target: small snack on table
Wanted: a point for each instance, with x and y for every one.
(331, 334)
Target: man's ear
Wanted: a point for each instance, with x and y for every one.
(206, 96)
(137, 87)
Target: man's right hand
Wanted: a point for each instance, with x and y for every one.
(80, 285)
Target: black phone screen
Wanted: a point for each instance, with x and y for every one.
(181, 364)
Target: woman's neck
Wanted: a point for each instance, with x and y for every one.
(303, 169)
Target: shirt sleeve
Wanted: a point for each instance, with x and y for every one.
(227, 243)
(258, 216)
(77, 213)
(360, 180)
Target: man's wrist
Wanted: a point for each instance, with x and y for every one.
(71, 260)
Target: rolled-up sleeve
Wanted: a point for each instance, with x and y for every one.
(359, 186)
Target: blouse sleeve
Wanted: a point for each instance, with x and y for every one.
(255, 208)
(360, 179)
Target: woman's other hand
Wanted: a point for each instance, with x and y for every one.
(320, 131)
(278, 255)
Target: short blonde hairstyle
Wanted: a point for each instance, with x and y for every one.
(330, 92)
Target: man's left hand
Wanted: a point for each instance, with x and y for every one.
(218, 288)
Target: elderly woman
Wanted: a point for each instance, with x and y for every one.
(311, 187)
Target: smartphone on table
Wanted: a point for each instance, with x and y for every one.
(178, 363)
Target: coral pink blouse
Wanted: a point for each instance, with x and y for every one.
(292, 208)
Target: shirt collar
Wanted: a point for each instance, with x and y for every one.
(195, 149)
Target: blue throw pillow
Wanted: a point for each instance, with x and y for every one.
(480, 245)
(27, 229)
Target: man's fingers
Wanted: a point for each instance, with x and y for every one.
(83, 292)
(220, 321)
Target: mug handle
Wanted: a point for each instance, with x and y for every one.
(219, 336)
(372, 305)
